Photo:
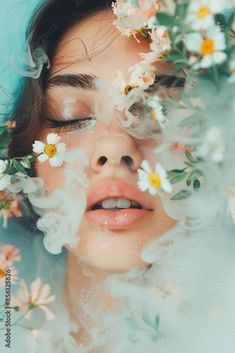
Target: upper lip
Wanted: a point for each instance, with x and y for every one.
(115, 188)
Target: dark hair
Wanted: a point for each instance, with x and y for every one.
(48, 25)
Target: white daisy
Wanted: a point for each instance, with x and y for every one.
(50, 151)
(155, 181)
(157, 110)
(201, 13)
(212, 146)
(4, 178)
(211, 47)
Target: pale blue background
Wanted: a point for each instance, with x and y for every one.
(14, 16)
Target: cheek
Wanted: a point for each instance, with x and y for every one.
(54, 177)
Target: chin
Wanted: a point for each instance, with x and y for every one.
(109, 260)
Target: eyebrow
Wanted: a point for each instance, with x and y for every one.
(84, 81)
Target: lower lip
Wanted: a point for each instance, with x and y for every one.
(117, 219)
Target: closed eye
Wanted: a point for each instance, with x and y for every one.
(71, 124)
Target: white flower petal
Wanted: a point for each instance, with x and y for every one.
(166, 186)
(61, 147)
(153, 191)
(142, 185)
(43, 157)
(53, 138)
(49, 314)
(3, 165)
(142, 174)
(55, 162)
(207, 61)
(219, 57)
(160, 171)
(38, 146)
(4, 181)
(146, 166)
(193, 42)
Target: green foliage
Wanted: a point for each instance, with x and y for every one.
(183, 194)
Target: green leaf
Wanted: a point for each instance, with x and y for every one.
(175, 171)
(190, 164)
(164, 19)
(176, 58)
(183, 194)
(190, 156)
(27, 162)
(193, 176)
(196, 184)
(177, 178)
(181, 10)
(20, 168)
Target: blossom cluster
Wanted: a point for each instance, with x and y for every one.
(196, 37)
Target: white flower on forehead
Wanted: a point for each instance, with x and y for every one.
(210, 47)
(201, 12)
(4, 178)
(133, 15)
(212, 146)
(141, 76)
(160, 44)
(155, 181)
(138, 76)
(50, 151)
(157, 110)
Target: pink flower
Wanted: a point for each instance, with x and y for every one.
(38, 297)
(10, 124)
(8, 255)
(9, 207)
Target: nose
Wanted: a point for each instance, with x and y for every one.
(115, 148)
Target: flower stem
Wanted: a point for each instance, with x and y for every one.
(20, 318)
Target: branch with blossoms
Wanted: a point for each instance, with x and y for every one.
(197, 38)
(27, 300)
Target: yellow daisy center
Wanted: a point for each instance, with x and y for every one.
(128, 88)
(207, 47)
(203, 11)
(2, 273)
(154, 114)
(154, 180)
(50, 150)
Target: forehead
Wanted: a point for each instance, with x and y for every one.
(95, 46)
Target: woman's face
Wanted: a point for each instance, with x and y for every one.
(110, 240)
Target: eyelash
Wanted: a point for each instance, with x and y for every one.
(68, 125)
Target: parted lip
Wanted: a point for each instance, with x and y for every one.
(107, 188)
